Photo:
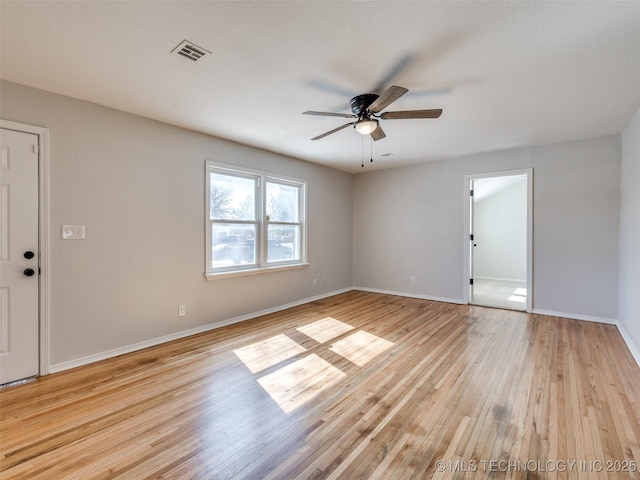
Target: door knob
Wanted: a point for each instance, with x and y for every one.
(29, 272)
(29, 255)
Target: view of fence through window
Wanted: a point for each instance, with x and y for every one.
(240, 236)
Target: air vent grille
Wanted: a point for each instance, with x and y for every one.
(190, 50)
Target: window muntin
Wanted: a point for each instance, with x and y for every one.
(254, 220)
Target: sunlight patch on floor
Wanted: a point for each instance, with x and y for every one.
(266, 353)
(517, 298)
(519, 295)
(299, 382)
(361, 347)
(499, 293)
(326, 329)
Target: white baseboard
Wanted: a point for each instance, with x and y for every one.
(59, 367)
(625, 336)
(575, 316)
(458, 301)
(78, 362)
(498, 279)
(630, 345)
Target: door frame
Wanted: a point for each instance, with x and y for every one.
(528, 172)
(44, 289)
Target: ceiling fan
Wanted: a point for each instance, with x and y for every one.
(366, 109)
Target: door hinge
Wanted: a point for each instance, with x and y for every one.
(471, 281)
(471, 193)
(471, 237)
(36, 149)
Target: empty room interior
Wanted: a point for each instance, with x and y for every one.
(319, 240)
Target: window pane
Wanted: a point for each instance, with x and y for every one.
(283, 202)
(232, 197)
(283, 243)
(233, 244)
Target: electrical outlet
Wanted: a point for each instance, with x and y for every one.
(315, 282)
(182, 310)
(413, 280)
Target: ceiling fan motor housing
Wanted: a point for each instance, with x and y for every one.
(360, 103)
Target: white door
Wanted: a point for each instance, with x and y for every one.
(472, 243)
(498, 239)
(19, 269)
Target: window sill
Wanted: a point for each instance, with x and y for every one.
(254, 271)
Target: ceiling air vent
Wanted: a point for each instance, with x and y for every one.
(190, 50)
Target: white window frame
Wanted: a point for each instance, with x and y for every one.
(261, 265)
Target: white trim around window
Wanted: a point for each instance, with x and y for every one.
(255, 222)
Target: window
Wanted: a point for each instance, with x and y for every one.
(254, 221)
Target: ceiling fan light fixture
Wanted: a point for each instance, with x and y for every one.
(368, 105)
(366, 126)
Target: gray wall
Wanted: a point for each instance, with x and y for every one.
(630, 233)
(409, 222)
(138, 187)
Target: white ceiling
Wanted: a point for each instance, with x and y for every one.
(507, 74)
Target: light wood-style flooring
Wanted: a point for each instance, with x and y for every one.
(355, 386)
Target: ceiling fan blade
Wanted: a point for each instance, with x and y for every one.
(434, 113)
(389, 96)
(378, 134)
(332, 131)
(330, 114)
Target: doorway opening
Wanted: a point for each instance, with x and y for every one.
(498, 241)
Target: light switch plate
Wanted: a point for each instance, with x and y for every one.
(72, 232)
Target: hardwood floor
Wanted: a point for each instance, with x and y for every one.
(359, 385)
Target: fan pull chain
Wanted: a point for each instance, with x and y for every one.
(362, 156)
(371, 148)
